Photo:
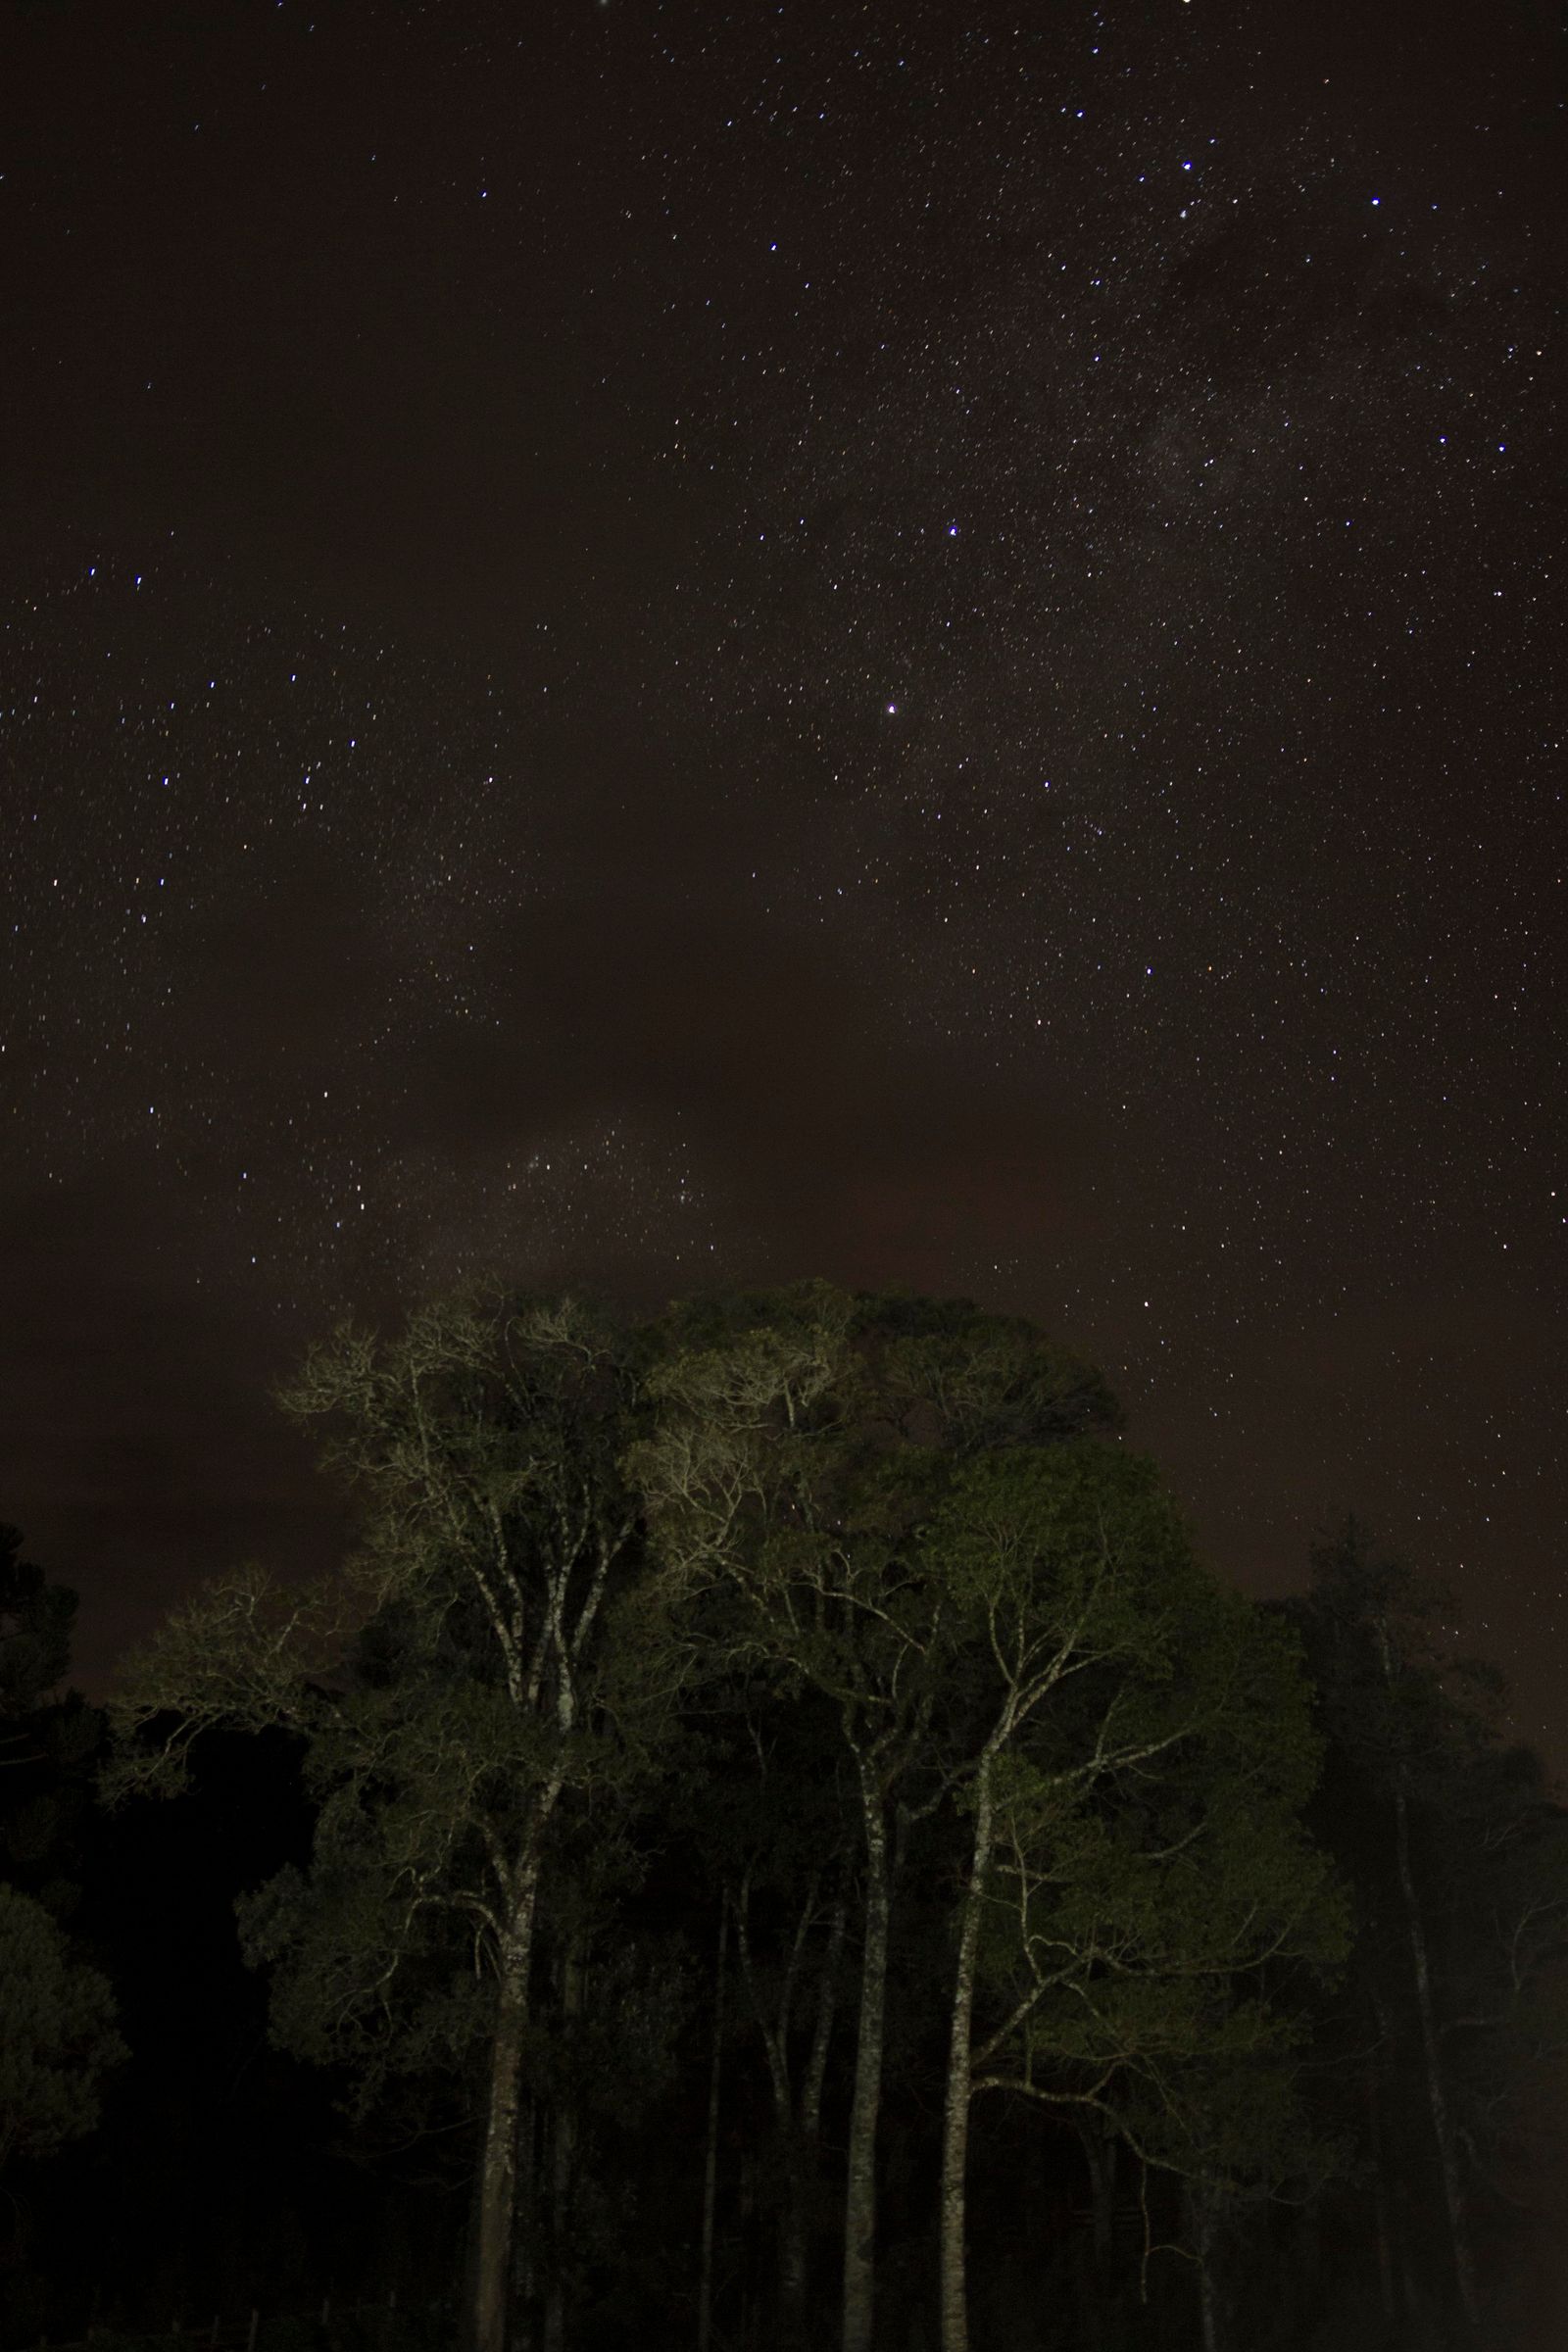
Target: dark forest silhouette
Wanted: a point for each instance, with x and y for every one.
(772, 1838)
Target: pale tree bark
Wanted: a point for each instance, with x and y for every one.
(803, 2127)
(1029, 1678)
(727, 1466)
(860, 2198)
(960, 2074)
(484, 1454)
(806, 2133)
(1201, 2220)
(1436, 2097)
(498, 2181)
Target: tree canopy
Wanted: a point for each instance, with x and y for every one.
(791, 1813)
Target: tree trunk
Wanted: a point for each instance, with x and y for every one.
(860, 2201)
(801, 2124)
(822, 2032)
(498, 2180)
(1442, 2124)
(705, 2275)
(1099, 2151)
(1202, 2229)
(747, 2217)
(523, 2232)
(775, 2032)
(792, 2245)
(955, 2117)
(801, 2129)
(1379, 2192)
(563, 2159)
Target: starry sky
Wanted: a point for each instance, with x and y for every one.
(648, 642)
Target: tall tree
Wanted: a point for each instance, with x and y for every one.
(1133, 1746)
(790, 1858)
(1459, 1864)
(1496, 1881)
(57, 2013)
(457, 1687)
(801, 1438)
(1370, 1627)
(35, 1621)
(57, 2032)
(48, 1735)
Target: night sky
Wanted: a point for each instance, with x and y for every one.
(645, 645)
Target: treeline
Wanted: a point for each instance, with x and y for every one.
(771, 1837)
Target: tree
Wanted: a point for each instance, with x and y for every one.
(57, 2032)
(1496, 1888)
(48, 1740)
(1458, 1859)
(1133, 1747)
(35, 1622)
(459, 1691)
(57, 2013)
(775, 1820)
(801, 1437)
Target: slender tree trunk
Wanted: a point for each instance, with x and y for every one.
(523, 2267)
(860, 2201)
(791, 2245)
(552, 2334)
(775, 2032)
(563, 2158)
(822, 2032)
(1379, 2192)
(960, 2069)
(1203, 2229)
(1436, 2101)
(498, 2183)
(1309, 2253)
(705, 2275)
(748, 2205)
(802, 2125)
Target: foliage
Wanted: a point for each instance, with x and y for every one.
(57, 2032)
(35, 1622)
(441, 1684)
(1152, 1880)
(1457, 1857)
(57, 2013)
(846, 1621)
(461, 1695)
